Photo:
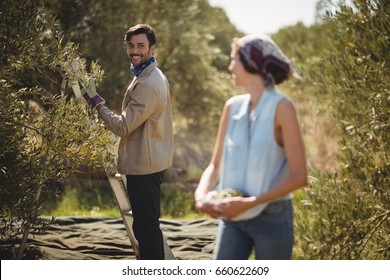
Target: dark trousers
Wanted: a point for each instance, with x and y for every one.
(144, 196)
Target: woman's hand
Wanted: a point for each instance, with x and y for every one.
(231, 207)
(207, 207)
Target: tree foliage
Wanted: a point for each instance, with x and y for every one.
(44, 135)
(348, 212)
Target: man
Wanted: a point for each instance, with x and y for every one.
(146, 145)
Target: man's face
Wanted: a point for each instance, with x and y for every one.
(138, 49)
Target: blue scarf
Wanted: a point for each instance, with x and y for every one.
(138, 69)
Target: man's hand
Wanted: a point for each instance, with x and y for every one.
(89, 93)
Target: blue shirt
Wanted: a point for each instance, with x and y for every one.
(252, 160)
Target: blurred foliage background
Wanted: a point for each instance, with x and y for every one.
(53, 150)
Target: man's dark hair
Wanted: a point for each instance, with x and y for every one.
(141, 29)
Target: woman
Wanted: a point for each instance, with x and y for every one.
(259, 151)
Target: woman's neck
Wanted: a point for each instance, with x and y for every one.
(256, 89)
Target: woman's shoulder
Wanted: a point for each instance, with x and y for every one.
(283, 100)
(285, 109)
(281, 95)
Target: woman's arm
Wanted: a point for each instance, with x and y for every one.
(210, 175)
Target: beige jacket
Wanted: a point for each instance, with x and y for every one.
(145, 125)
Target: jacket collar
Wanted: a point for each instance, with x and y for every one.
(147, 70)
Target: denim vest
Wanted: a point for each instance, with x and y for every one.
(253, 161)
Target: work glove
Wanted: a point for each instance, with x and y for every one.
(89, 93)
(75, 87)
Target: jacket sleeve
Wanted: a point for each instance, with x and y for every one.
(142, 104)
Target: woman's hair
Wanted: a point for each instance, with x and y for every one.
(141, 29)
(260, 55)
